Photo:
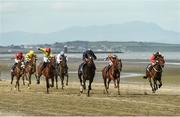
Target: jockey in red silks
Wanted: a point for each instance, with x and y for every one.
(18, 58)
(154, 60)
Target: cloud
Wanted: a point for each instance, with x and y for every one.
(8, 7)
(63, 6)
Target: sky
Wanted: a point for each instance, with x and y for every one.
(45, 16)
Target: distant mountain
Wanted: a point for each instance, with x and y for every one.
(130, 31)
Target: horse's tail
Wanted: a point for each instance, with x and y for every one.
(145, 77)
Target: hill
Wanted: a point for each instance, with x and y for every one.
(131, 31)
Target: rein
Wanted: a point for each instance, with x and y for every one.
(156, 69)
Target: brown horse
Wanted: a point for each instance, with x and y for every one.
(18, 73)
(62, 69)
(30, 68)
(48, 72)
(155, 74)
(112, 74)
(87, 74)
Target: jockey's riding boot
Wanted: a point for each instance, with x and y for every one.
(43, 66)
(13, 67)
(150, 67)
(107, 68)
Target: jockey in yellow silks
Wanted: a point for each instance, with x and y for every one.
(30, 55)
(47, 56)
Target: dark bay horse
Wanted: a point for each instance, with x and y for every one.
(30, 68)
(18, 73)
(88, 73)
(62, 69)
(155, 74)
(112, 74)
(48, 72)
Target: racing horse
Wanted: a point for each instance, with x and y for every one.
(18, 73)
(87, 73)
(155, 74)
(30, 69)
(112, 74)
(62, 71)
(48, 72)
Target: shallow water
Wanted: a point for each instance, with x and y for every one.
(126, 55)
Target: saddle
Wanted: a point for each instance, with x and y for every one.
(107, 68)
(149, 67)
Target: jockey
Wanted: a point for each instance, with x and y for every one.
(85, 57)
(154, 60)
(18, 58)
(47, 56)
(30, 55)
(60, 57)
(110, 59)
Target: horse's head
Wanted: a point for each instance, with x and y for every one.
(90, 60)
(63, 62)
(159, 64)
(117, 64)
(20, 67)
(161, 61)
(33, 60)
(52, 60)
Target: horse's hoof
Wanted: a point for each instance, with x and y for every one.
(145, 93)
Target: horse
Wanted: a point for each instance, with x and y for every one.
(18, 73)
(48, 72)
(30, 68)
(155, 74)
(62, 69)
(88, 73)
(112, 74)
